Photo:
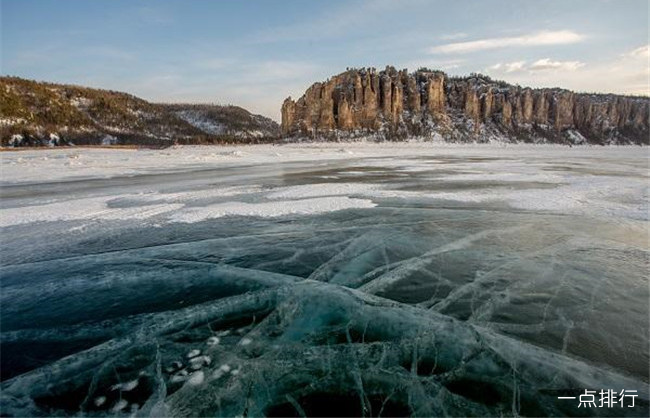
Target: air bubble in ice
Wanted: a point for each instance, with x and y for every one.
(196, 378)
(200, 361)
(193, 353)
(129, 386)
(177, 365)
(180, 376)
(213, 341)
(221, 371)
(125, 387)
(120, 405)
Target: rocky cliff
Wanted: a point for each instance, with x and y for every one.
(393, 104)
(36, 113)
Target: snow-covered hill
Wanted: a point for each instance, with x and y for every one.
(36, 113)
(231, 121)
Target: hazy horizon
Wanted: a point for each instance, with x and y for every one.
(256, 54)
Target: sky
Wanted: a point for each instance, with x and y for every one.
(256, 53)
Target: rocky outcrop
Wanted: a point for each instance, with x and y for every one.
(394, 104)
(365, 100)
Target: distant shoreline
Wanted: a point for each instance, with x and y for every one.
(9, 149)
(325, 144)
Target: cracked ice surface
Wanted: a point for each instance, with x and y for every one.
(387, 280)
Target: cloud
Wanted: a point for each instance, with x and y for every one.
(508, 67)
(547, 64)
(640, 52)
(544, 64)
(514, 66)
(627, 72)
(540, 38)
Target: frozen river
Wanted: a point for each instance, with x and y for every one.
(354, 279)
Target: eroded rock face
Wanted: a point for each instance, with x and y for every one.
(395, 104)
(364, 99)
(288, 114)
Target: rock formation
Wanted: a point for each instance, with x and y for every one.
(394, 104)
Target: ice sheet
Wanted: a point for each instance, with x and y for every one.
(66, 163)
(394, 280)
(335, 342)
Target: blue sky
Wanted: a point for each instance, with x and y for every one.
(256, 53)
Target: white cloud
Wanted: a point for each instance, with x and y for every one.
(625, 73)
(546, 64)
(512, 67)
(508, 67)
(640, 52)
(535, 39)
